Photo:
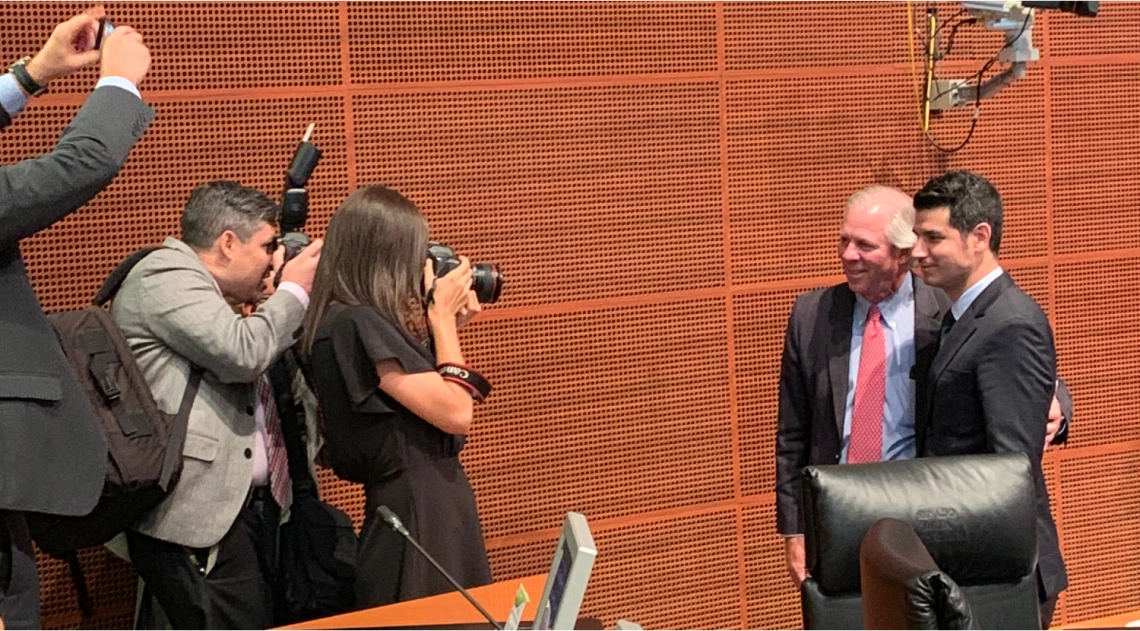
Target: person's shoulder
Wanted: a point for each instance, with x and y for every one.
(171, 255)
(171, 266)
(1014, 304)
(360, 320)
(821, 299)
(930, 292)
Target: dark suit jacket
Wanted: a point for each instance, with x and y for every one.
(988, 391)
(52, 457)
(813, 383)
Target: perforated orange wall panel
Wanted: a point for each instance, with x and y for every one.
(658, 181)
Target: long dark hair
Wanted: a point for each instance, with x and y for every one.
(373, 255)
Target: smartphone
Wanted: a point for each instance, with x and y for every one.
(105, 29)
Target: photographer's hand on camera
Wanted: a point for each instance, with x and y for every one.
(125, 55)
(469, 310)
(301, 269)
(70, 47)
(450, 297)
(450, 294)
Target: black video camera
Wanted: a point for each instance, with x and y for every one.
(486, 279)
(295, 198)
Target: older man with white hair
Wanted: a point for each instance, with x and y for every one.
(846, 392)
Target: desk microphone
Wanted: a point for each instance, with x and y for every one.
(394, 523)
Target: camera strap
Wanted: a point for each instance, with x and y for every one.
(476, 384)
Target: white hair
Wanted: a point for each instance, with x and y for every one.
(900, 229)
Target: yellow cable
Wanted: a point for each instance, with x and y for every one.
(913, 66)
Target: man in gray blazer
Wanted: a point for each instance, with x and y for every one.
(207, 551)
(52, 457)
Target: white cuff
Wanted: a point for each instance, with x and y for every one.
(119, 82)
(297, 291)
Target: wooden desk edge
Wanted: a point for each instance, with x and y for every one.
(450, 608)
(1108, 622)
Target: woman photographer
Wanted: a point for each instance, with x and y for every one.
(393, 422)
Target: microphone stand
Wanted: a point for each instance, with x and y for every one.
(394, 523)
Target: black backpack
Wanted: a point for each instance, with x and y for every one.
(144, 444)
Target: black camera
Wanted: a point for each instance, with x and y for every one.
(486, 279)
(295, 198)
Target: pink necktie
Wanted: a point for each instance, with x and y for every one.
(279, 483)
(866, 443)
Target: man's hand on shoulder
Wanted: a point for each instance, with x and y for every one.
(1054, 424)
(797, 559)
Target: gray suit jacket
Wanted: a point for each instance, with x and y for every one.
(52, 457)
(813, 383)
(173, 315)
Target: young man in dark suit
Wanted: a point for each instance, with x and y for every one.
(52, 457)
(994, 375)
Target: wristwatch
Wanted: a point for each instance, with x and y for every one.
(19, 70)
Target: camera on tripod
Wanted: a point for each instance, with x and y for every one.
(295, 197)
(486, 279)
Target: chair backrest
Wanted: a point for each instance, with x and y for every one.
(975, 514)
(902, 586)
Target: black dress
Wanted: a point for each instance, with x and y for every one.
(403, 462)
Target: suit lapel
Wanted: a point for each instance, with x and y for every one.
(928, 316)
(966, 327)
(839, 351)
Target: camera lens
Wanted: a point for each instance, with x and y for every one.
(487, 281)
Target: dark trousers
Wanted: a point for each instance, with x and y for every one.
(235, 592)
(20, 593)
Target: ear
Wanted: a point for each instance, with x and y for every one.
(227, 244)
(982, 233)
(903, 254)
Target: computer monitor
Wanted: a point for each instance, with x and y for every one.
(569, 572)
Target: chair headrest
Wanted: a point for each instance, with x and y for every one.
(975, 514)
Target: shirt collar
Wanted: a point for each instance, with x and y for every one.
(890, 306)
(178, 244)
(970, 295)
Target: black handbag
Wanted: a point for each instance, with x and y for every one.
(316, 574)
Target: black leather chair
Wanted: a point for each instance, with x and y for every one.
(975, 515)
(902, 586)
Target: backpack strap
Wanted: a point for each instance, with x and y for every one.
(83, 595)
(119, 274)
(178, 431)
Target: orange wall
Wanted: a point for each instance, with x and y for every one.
(658, 181)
